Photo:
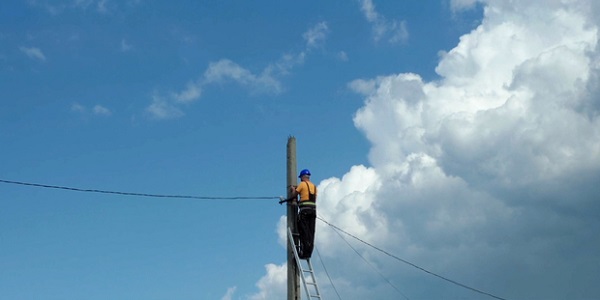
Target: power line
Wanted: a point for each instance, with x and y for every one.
(411, 264)
(135, 194)
(337, 230)
(327, 273)
(244, 198)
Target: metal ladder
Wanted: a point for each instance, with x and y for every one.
(309, 270)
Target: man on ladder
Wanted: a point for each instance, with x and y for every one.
(306, 232)
(307, 214)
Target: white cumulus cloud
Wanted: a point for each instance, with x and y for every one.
(273, 285)
(487, 176)
(229, 294)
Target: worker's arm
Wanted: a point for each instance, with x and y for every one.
(294, 195)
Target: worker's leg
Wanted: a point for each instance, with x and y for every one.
(302, 230)
(311, 216)
(306, 229)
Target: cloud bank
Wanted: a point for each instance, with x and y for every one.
(488, 176)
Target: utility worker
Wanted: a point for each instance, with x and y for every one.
(307, 214)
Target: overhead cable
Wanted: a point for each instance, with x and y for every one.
(327, 273)
(337, 230)
(246, 198)
(136, 194)
(411, 264)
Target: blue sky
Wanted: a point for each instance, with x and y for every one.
(460, 135)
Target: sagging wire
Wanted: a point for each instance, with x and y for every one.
(137, 194)
(327, 273)
(409, 263)
(366, 261)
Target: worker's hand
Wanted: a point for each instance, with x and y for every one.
(281, 200)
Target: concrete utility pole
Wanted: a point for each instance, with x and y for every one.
(292, 215)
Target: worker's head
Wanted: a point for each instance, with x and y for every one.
(304, 174)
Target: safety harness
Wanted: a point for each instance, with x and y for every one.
(312, 198)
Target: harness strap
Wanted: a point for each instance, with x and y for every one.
(312, 199)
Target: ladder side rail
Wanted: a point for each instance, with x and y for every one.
(314, 279)
(291, 238)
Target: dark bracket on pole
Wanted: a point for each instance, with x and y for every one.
(283, 200)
